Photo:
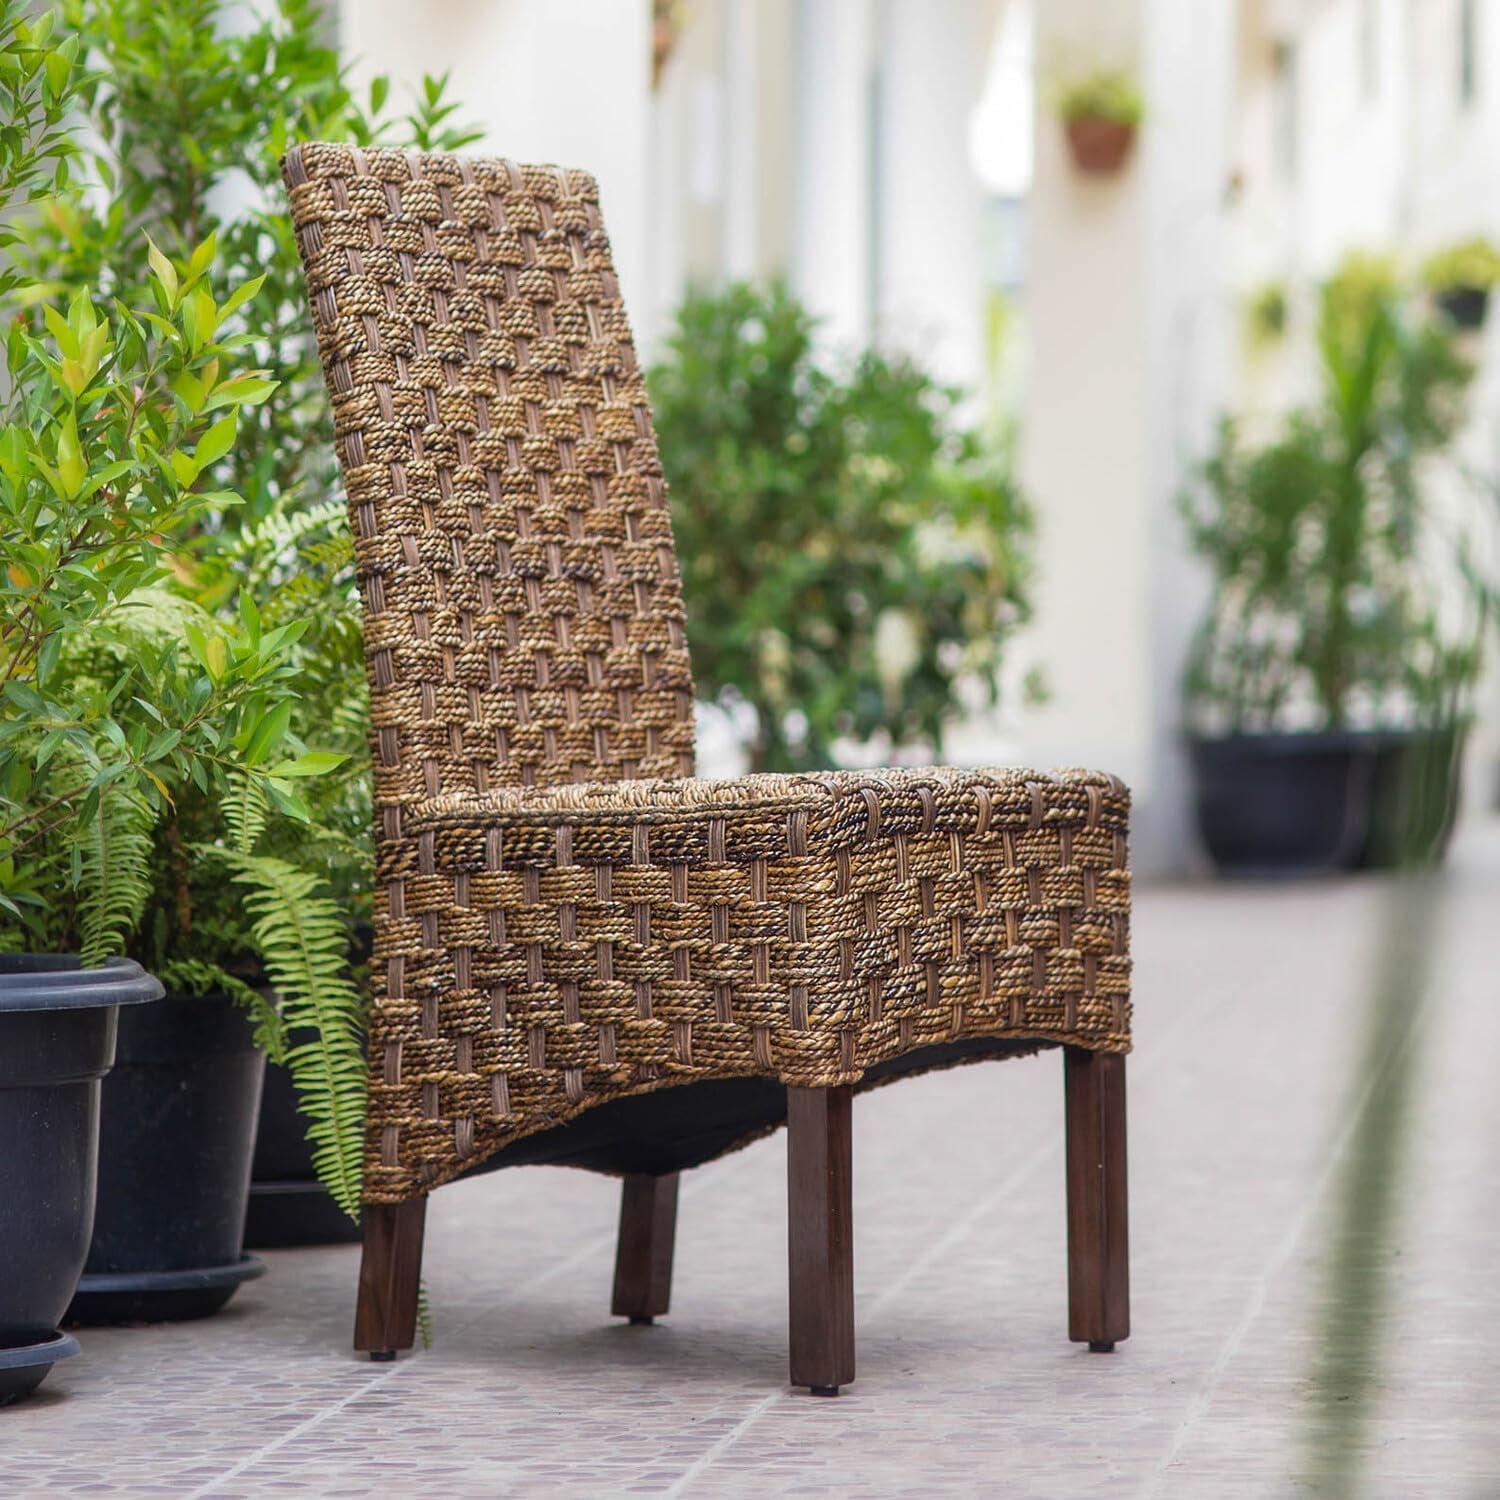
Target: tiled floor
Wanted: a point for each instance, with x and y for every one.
(1246, 1100)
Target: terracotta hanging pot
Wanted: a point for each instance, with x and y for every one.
(1098, 144)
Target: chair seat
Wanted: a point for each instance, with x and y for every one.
(548, 950)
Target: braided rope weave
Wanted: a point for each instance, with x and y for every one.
(564, 916)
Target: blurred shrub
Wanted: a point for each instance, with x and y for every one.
(850, 554)
(1267, 314)
(1473, 263)
(1103, 94)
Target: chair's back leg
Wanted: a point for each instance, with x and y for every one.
(820, 1237)
(390, 1277)
(1098, 1239)
(643, 1254)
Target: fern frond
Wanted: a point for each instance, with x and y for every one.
(275, 541)
(303, 942)
(114, 881)
(197, 976)
(246, 807)
(424, 1315)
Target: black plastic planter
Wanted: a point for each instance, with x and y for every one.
(57, 1040)
(179, 1116)
(1465, 306)
(1284, 805)
(288, 1204)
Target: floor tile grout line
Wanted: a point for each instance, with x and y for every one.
(317, 1419)
(715, 1450)
(333, 1409)
(1283, 1252)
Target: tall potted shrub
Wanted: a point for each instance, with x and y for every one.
(258, 889)
(1325, 672)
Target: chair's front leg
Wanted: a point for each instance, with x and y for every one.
(643, 1253)
(820, 1237)
(1098, 1239)
(390, 1277)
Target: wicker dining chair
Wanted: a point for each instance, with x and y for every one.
(582, 954)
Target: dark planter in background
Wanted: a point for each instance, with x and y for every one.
(1099, 145)
(1283, 805)
(57, 1040)
(288, 1205)
(179, 1115)
(1465, 306)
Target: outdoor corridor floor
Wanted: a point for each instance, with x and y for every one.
(1245, 1099)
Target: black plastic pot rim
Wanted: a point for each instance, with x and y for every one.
(1298, 741)
(56, 981)
(192, 1278)
(45, 1351)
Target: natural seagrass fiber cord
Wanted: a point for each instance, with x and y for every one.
(563, 915)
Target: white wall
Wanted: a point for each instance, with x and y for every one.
(567, 81)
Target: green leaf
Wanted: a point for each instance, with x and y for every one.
(216, 442)
(164, 271)
(309, 763)
(268, 732)
(71, 469)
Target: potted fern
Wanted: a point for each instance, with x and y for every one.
(1101, 112)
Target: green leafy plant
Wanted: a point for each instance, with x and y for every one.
(850, 555)
(1362, 284)
(1472, 264)
(1267, 313)
(1329, 564)
(115, 417)
(1100, 94)
(256, 886)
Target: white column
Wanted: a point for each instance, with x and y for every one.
(832, 231)
(1127, 366)
(930, 296)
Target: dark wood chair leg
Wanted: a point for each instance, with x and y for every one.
(1098, 1238)
(643, 1255)
(820, 1237)
(390, 1277)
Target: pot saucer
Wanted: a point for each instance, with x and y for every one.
(24, 1367)
(159, 1296)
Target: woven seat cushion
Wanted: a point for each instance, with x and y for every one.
(557, 947)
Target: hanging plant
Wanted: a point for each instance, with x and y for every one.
(1460, 278)
(1101, 112)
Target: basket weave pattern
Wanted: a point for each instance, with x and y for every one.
(563, 915)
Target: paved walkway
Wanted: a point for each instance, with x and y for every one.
(1246, 1108)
